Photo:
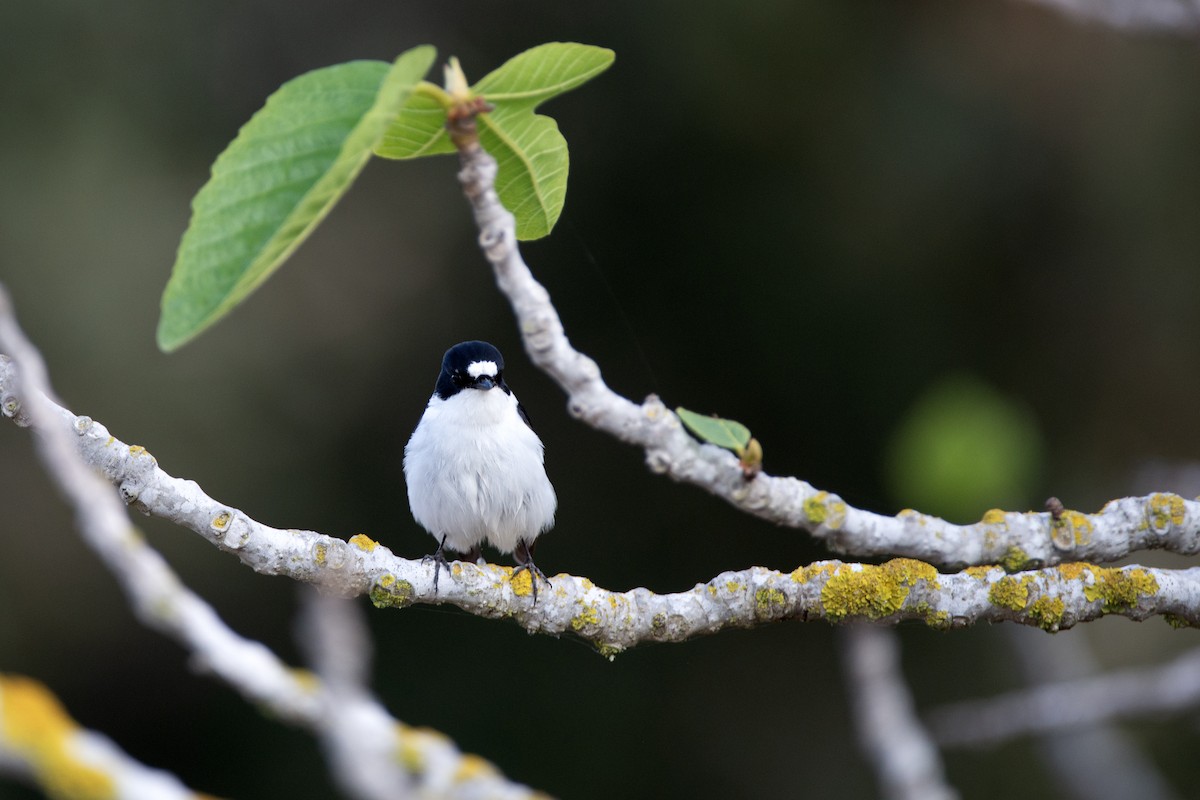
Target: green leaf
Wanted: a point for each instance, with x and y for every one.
(531, 155)
(418, 130)
(276, 181)
(714, 430)
(543, 72)
(531, 168)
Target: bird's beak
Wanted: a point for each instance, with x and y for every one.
(485, 382)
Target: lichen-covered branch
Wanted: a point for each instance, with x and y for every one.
(1054, 708)
(902, 589)
(1017, 540)
(163, 603)
(897, 744)
(42, 743)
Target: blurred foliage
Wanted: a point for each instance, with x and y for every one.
(837, 204)
(962, 449)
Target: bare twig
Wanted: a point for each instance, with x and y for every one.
(360, 739)
(1099, 762)
(898, 746)
(1055, 708)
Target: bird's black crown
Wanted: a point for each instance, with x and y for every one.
(456, 365)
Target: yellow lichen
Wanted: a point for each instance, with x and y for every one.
(588, 616)
(1165, 510)
(37, 726)
(306, 679)
(994, 516)
(769, 602)
(388, 591)
(610, 651)
(732, 587)
(413, 744)
(979, 573)
(1048, 611)
(471, 767)
(1015, 559)
(873, 591)
(819, 569)
(319, 553)
(363, 542)
(814, 507)
(521, 583)
(1009, 593)
(1120, 589)
(1081, 526)
(825, 509)
(1073, 570)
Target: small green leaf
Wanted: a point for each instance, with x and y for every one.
(276, 181)
(714, 430)
(543, 72)
(531, 155)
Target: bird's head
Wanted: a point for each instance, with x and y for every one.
(471, 365)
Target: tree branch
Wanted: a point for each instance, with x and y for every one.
(1017, 540)
(1099, 762)
(163, 603)
(1056, 707)
(902, 589)
(898, 746)
(40, 742)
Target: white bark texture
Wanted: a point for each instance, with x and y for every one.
(163, 603)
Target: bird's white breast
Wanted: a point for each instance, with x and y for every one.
(475, 472)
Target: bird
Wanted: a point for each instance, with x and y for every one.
(474, 468)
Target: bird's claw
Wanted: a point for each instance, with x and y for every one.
(438, 557)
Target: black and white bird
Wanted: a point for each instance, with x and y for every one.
(474, 467)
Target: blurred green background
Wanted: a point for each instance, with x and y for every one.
(804, 216)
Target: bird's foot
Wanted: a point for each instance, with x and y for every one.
(438, 557)
(524, 555)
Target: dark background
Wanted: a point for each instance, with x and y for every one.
(797, 214)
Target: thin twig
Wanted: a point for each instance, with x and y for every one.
(896, 743)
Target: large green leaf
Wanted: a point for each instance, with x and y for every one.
(530, 153)
(282, 174)
(531, 167)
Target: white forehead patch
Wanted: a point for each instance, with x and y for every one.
(477, 368)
